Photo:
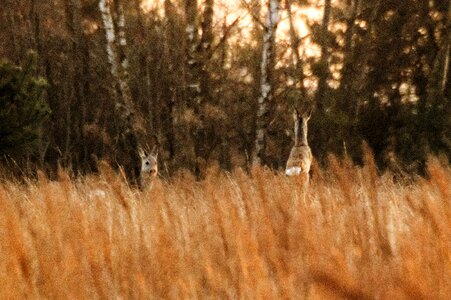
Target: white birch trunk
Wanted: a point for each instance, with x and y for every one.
(115, 46)
(122, 45)
(108, 25)
(266, 64)
(128, 125)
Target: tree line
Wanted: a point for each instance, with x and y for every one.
(208, 83)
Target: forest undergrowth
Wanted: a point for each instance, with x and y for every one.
(353, 234)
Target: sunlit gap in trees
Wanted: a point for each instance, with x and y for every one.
(238, 13)
(226, 12)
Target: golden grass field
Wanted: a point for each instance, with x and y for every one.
(352, 235)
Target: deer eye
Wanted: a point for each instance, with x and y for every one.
(147, 163)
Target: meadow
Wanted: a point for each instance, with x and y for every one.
(353, 234)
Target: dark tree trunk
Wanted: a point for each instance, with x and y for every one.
(324, 60)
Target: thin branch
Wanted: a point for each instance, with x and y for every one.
(249, 10)
(224, 37)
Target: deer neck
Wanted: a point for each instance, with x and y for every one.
(300, 132)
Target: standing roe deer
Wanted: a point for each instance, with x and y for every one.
(300, 158)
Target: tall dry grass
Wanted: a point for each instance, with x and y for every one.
(353, 235)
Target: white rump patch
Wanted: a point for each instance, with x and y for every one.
(293, 171)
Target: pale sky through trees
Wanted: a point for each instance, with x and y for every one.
(231, 10)
(227, 12)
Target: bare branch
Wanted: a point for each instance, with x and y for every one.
(249, 9)
(226, 34)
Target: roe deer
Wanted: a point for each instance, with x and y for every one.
(300, 156)
(148, 171)
(149, 168)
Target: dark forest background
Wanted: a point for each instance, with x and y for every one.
(198, 81)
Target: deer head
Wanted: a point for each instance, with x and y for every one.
(303, 112)
(149, 163)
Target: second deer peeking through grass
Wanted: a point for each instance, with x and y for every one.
(149, 168)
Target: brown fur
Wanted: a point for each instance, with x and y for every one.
(149, 168)
(300, 156)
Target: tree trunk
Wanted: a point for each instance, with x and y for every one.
(445, 76)
(204, 49)
(188, 111)
(145, 70)
(78, 80)
(266, 84)
(122, 43)
(447, 48)
(324, 60)
(296, 57)
(347, 99)
(35, 27)
(11, 18)
(193, 65)
(205, 135)
(438, 79)
(127, 127)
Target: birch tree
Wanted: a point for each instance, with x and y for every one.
(128, 125)
(266, 84)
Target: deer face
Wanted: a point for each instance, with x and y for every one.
(304, 112)
(149, 164)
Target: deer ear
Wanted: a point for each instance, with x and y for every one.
(308, 113)
(154, 151)
(296, 115)
(141, 153)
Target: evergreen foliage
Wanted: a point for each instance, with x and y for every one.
(23, 107)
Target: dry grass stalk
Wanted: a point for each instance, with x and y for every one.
(352, 235)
